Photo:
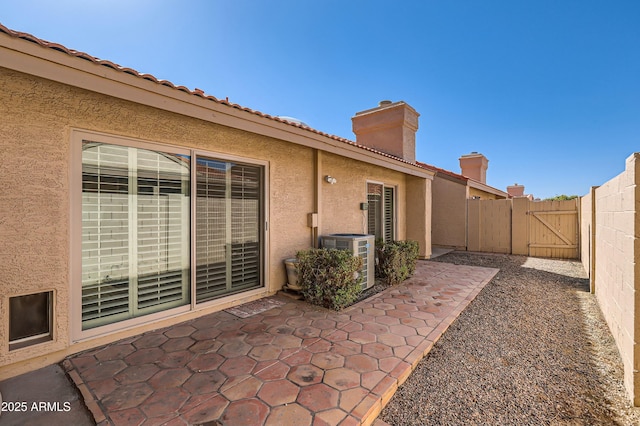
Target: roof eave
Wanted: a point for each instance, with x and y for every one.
(32, 58)
(486, 188)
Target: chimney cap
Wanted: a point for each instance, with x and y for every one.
(384, 102)
(473, 154)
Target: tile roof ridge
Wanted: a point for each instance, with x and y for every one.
(196, 92)
(438, 169)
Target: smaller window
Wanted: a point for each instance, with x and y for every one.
(30, 319)
(381, 211)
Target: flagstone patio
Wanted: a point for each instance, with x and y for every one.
(277, 361)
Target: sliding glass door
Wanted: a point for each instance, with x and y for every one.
(159, 233)
(228, 227)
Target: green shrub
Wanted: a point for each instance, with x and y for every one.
(329, 277)
(396, 260)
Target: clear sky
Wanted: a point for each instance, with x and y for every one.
(548, 90)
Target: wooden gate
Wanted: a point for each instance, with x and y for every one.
(554, 229)
(521, 226)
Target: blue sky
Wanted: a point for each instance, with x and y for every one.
(548, 90)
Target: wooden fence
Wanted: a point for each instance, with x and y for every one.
(521, 226)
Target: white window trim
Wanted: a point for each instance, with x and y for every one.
(75, 228)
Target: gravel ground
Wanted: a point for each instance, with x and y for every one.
(531, 349)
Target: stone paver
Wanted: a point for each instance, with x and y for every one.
(293, 363)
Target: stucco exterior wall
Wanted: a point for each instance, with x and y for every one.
(34, 209)
(475, 192)
(419, 214)
(449, 213)
(341, 202)
(617, 265)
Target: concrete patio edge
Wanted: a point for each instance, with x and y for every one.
(421, 351)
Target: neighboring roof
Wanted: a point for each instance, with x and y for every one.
(463, 180)
(442, 171)
(486, 188)
(196, 92)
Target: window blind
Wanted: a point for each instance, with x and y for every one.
(381, 212)
(389, 214)
(374, 213)
(228, 227)
(135, 232)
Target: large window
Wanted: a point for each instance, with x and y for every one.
(135, 232)
(228, 227)
(164, 229)
(381, 212)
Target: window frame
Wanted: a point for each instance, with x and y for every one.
(394, 188)
(77, 334)
(263, 227)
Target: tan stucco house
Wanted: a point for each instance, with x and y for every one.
(130, 203)
(450, 192)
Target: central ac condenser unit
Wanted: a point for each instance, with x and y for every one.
(360, 245)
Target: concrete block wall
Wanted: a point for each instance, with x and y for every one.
(613, 262)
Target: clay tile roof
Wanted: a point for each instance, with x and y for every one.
(195, 92)
(439, 170)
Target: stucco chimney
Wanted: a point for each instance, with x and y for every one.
(515, 190)
(390, 127)
(474, 166)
